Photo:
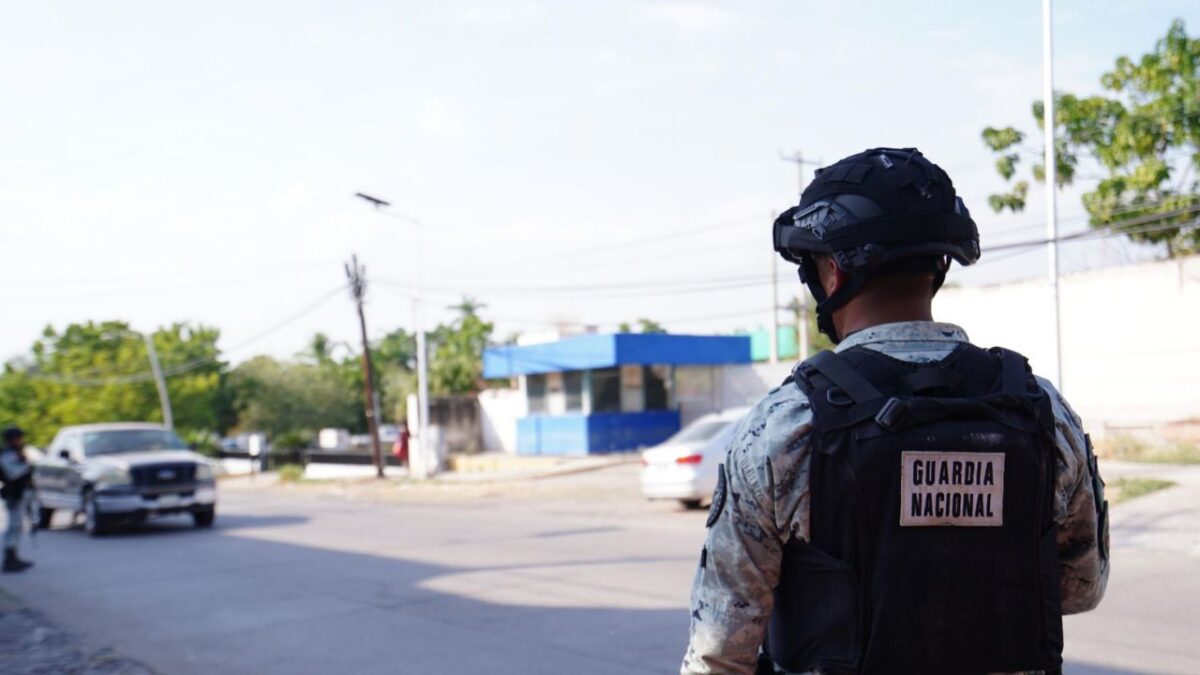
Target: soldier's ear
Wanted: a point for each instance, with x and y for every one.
(832, 276)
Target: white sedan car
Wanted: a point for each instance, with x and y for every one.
(684, 467)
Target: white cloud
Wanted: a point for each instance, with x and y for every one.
(442, 118)
(691, 19)
(526, 12)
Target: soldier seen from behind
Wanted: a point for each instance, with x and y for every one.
(17, 476)
(908, 502)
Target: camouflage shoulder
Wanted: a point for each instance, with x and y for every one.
(770, 428)
(1063, 411)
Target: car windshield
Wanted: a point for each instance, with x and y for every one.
(130, 440)
(699, 431)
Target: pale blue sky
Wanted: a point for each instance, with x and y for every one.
(195, 161)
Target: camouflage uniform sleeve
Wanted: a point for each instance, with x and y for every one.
(1080, 511)
(12, 466)
(733, 590)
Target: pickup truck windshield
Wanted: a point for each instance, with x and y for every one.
(130, 440)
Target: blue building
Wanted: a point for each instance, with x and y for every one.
(604, 393)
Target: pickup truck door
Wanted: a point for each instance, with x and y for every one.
(57, 477)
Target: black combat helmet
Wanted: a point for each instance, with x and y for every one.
(13, 433)
(882, 211)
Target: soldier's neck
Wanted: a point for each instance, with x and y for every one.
(857, 315)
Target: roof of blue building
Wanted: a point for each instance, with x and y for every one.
(585, 352)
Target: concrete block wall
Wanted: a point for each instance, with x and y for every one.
(1130, 338)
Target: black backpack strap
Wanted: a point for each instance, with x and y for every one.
(932, 379)
(844, 377)
(1014, 373)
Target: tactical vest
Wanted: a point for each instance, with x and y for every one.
(932, 543)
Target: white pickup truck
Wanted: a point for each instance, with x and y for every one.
(123, 473)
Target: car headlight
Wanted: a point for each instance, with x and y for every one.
(114, 477)
(204, 471)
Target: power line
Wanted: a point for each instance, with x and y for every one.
(187, 366)
(627, 244)
(657, 288)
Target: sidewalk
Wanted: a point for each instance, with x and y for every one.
(1167, 520)
(506, 467)
(462, 469)
(1147, 621)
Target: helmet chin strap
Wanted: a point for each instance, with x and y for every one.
(827, 304)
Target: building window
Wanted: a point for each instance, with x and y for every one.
(655, 380)
(572, 384)
(535, 392)
(606, 390)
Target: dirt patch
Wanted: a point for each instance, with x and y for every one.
(1127, 448)
(31, 645)
(1124, 489)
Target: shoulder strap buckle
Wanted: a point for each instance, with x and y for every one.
(844, 377)
(892, 413)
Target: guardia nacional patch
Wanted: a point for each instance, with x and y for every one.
(718, 498)
(957, 489)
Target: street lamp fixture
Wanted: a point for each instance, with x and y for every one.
(382, 206)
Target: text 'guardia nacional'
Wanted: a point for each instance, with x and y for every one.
(964, 489)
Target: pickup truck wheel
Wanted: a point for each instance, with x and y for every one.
(45, 517)
(204, 517)
(94, 522)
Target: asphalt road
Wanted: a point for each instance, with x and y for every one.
(299, 582)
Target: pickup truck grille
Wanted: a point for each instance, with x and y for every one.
(160, 475)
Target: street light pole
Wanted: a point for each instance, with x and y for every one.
(1051, 181)
(164, 400)
(383, 207)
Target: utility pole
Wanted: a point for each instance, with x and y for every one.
(799, 305)
(774, 303)
(383, 207)
(358, 289)
(797, 158)
(161, 384)
(802, 319)
(1051, 180)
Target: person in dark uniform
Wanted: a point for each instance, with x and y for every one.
(908, 502)
(18, 481)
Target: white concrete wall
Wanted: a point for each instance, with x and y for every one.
(1130, 337)
(696, 392)
(746, 384)
(700, 390)
(499, 410)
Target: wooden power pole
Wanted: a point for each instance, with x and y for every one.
(358, 288)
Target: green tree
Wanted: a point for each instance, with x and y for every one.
(644, 326)
(817, 341)
(456, 366)
(289, 397)
(1144, 136)
(319, 350)
(395, 359)
(100, 372)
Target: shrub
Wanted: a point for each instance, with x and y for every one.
(293, 440)
(1132, 449)
(1124, 489)
(291, 473)
(205, 442)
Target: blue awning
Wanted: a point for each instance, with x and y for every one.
(586, 352)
